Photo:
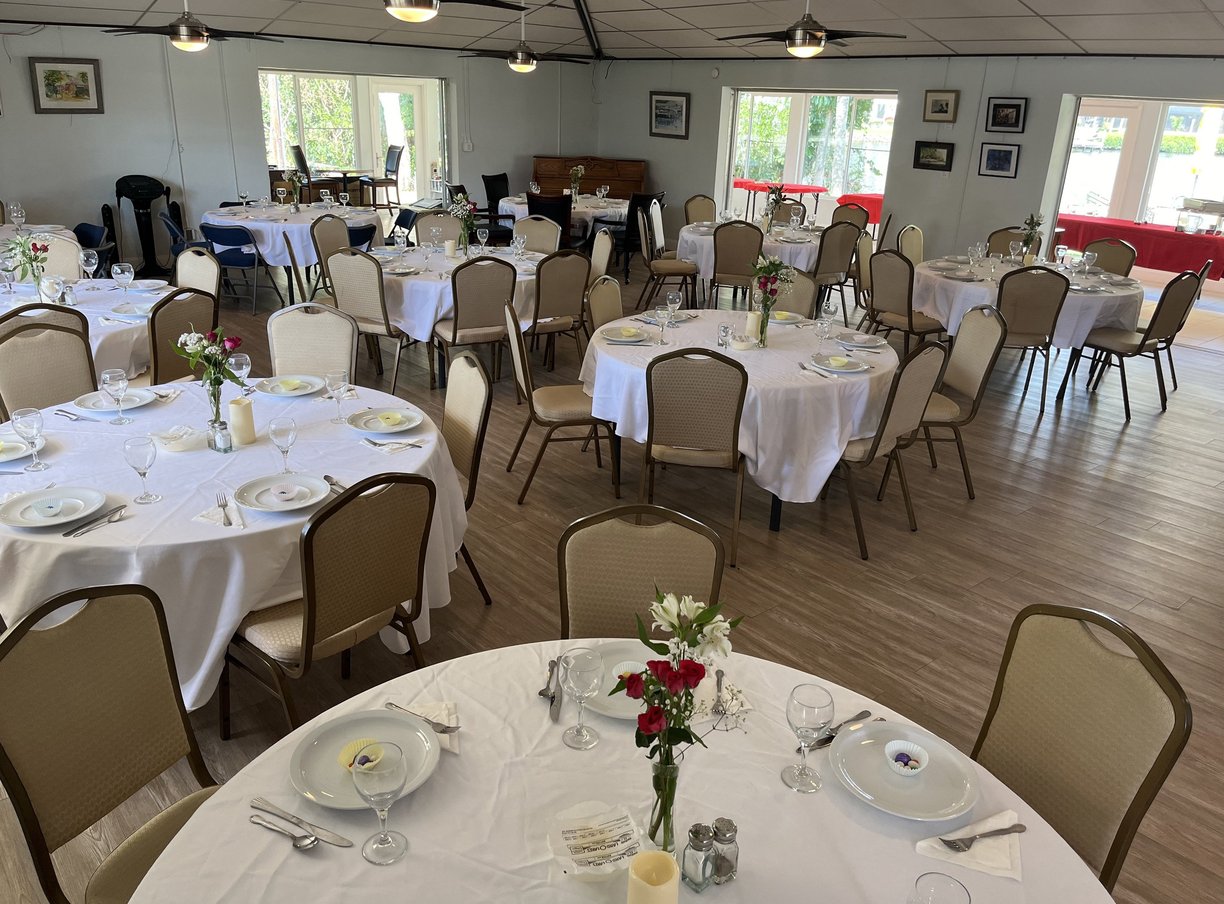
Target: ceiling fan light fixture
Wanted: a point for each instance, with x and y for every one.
(189, 34)
(805, 39)
(412, 10)
(522, 59)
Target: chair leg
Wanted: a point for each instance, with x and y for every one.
(739, 505)
(1045, 377)
(346, 664)
(536, 464)
(642, 295)
(883, 480)
(615, 460)
(1125, 393)
(1172, 369)
(964, 459)
(1101, 366)
(518, 445)
(926, 432)
(1071, 366)
(1028, 375)
(223, 700)
(848, 473)
(905, 493)
(480, 584)
(399, 350)
(1160, 383)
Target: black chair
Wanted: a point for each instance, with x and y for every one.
(388, 181)
(225, 204)
(501, 225)
(178, 238)
(95, 238)
(405, 220)
(308, 184)
(360, 237)
(239, 252)
(486, 217)
(625, 240)
(558, 208)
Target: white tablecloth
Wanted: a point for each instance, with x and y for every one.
(208, 577)
(795, 425)
(9, 231)
(583, 214)
(271, 225)
(697, 245)
(477, 829)
(948, 300)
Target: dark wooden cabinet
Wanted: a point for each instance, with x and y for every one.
(623, 177)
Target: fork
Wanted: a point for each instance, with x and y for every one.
(439, 727)
(808, 370)
(73, 416)
(222, 502)
(960, 845)
(401, 442)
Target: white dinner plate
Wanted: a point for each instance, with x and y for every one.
(826, 362)
(957, 258)
(402, 271)
(705, 224)
(77, 502)
(13, 446)
(371, 420)
(942, 266)
(861, 340)
(619, 656)
(290, 385)
(45, 227)
(1087, 290)
(963, 276)
(518, 199)
(147, 285)
(794, 240)
(315, 770)
(128, 309)
(786, 317)
(618, 336)
(704, 230)
(945, 789)
(100, 401)
(260, 494)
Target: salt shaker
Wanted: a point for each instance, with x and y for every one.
(726, 851)
(68, 299)
(698, 858)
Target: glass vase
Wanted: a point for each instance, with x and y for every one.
(219, 439)
(664, 777)
(575, 188)
(762, 336)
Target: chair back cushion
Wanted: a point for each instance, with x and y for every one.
(700, 209)
(543, 234)
(184, 311)
(999, 241)
(465, 417)
(1174, 306)
(800, 297)
(361, 236)
(26, 378)
(892, 283)
(863, 250)
(909, 243)
(1030, 300)
(850, 213)
(497, 187)
(312, 338)
(604, 302)
(978, 341)
(394, 153)
(197, 269)
(518, 354)
(63, 256)
(911, 390)
(601, 251)
(737, 246)
(694, 399)
(358, 283)
(482, 288)
(1113, 255)
(329, 234)
(451, 228)
(786, 208)
(561, 281)
(837, 246)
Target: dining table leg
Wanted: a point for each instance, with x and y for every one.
(775, 513)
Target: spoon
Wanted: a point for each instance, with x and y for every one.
(300, 842)
(114, 516)
(336, 486)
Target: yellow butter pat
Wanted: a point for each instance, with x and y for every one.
(290, 385)
(628, 331)
(391, 418)
(838, 361)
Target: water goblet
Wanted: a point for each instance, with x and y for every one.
(240, 366)
(796, 219)
(739, 213)
(972, 253)
(811, 222)
(51, 288)
(283, 433)
(996, 261)
(435, 237)
(265, 202)
(1014, 248)
(823, 327)
(937, 888)
(662, 317)
(427, 251)
(280, 195)
(122, 274)
(400, 240)
(28, 424)
(114, 384)
(673, 300)
(140, 453)
(89, 262)
(18, 217)
(8, 268)
(809, 710)
(1060, 254)
(242, 196)
(325, 196)
(380, 772)
(482, 236)
(1088, 260)
(581, 676)
(343, 197)
(337, 386)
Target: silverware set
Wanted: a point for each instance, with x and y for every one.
(827, 738)
(812, 370)
(336, 486)
(960, 845)
(401, 443)
(314, 835)
(73, 416)
(551, 691)
(439, 727)
(93, 524)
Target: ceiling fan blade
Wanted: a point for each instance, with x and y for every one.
(496, 4)
(485, 54)
(771, 35)
(218, 34)
(562, 58)
(835, 36)
(138, 30)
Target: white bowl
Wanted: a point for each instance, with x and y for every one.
(909, 749)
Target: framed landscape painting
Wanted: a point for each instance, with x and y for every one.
(933, 155)
(940, 106)
(1006, 114)
(999, 160)
(66, 86)
(669, 115)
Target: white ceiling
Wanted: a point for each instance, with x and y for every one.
(671, 29)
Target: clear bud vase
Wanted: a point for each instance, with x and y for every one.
(219, 439)
(664, 777)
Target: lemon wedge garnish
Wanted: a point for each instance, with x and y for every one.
(391, 418)
(838, 361)
(289, 385)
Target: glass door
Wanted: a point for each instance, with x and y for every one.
(1102, 149)
(397, 119)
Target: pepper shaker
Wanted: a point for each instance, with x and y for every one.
(698, 856)
(725, 856)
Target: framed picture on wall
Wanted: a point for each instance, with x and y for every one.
(940, 106)
(933, 155)
(669, 115)
(1006, 114)
(66, 86)
(999, 160)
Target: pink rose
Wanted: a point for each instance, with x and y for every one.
(210, 336)
(232, 343)
(653, 721)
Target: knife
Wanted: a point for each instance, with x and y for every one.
(318, 831)
(554, 711)
(92, 521)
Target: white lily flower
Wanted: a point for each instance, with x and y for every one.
(691, 608)
(715, 639)
(666, 614)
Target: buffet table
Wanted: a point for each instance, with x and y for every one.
(1158, 247)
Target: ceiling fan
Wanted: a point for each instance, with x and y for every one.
(807, 37)
(188, 33)
(522, 58)
(424, 10)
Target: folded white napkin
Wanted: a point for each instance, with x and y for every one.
(350, 393)
(212, 515)
(996, 856)
(395, 447)
(736, 705)
(168, 395)
(446, 713)
(179, 438)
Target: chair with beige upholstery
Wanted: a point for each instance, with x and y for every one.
(700, 209)
(60, 335)
(542, 235)
(601, 252)
(1030, 300)
(465, 421)
(909, 243)
(553, 408)
(737, 248)
(196, 268)
(184, 311)
(451, 228)
(801, 298)
(328, 234)
(609, 564)
(850, 213)
(357, 281)
(787, 208)
(1085, 724)
(907, 400)
(312, 338)
(1113, 255)
(835, 261)
(90, 713)
(862, 285)
(1166, 345)
(694, 400)
(999, 241)
(561, 281)
(63, 256)
(481, 288)
(300, 280)
(603, 304)
(363, 569)
(663, 264)
(892, 298)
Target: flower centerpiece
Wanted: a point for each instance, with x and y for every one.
(464, 209)
(698, 633)
(1031, 234)
(772, 199)
(27, 256)
(773, 278)
(296, 180)
(212, 351)
(576, 174)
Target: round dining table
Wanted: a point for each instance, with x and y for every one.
(209, 576)
(270, 225)
(8, 231)
(478, 827)
(796, 423)
(586, 210)
(799, 249)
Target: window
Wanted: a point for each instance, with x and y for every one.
(314, 111)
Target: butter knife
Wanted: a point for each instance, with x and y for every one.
(72, 532)
(554, 711)
(318, 831)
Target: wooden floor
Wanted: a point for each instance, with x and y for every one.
(1077, 507)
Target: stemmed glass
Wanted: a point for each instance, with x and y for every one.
(141, 452)
(28, 424)
(1087, 260)
(533, 187)
(344, 199)
(283, 433)
(796, 219)
(996, 261)
(325, 197)
(1014, 248)
(89, 262)
(379, 781)
(427, 251)
(240, 365)
(400, 240)
(673, 300)
(51, 288)
(809, 710)
(8, 266)
(519, 244)
(435, 237)
(581, 676)
(823, 327)
(662, 317)
(19, 218)
(242, 196)
(114, 384)
(482, 236)
(936, 888)
(280, 195)
(973, 254)
(122, 274)
(1060, 254)
(337, 386)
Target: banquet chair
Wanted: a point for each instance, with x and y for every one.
(178, 238)
(90, 713)
(299, 280)
(63, 256)
(98, 239)
(1113, 255)
(559, 209)
(387, 182)
(239, 252)
(835, 262)
(196, 268)
(553, 408)
(609, 565)
(465, 421)
(700, 209)
(480, 289)
(311, 184)
(1111, 346)
(27, 344)
(184, 311)
(694, 400)
(892, 298)
(1085, 723)
(862, 285)
(999, 241)
(497, 189)
(601, 251)
(850, 213)
(785, 209)
(361, 237)
(328, 234)
(909, 243)
(561, 281)
(543, 236)
(1166, 345)
(1030, 300)
(801, 298)
(737, 247)
(358, 283)
(312, 338)
(625, 238)
(363, 561)
(404, 220)
(603, 303)
(450, 228)
(662, 264)
(912, 385)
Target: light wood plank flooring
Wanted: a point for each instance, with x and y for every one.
(1077, 507)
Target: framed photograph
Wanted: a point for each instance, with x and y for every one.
(933, 155)
(1006, 114)
(940, 106)
(999, 160)
(66, 86)
(669, 115)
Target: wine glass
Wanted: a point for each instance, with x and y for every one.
(435, 237)
(89, 262)
(344, 199)
(662, 317)
(265, 202)
(482, 236)
(240, 366)
(427, 251)
(8, 267)
(242, 196)
(337, 386)
(936, 888)
(141, 452)
(28, 424)
(673, 300)
(380, 772)
(809, 710)
(796, 218)
(1089, 258)
(114, 384)
(283, 433)
(533, 187)
(50, 288)
(1060, 254)
(19, 218)
(280, 195)
(122, 274)
(823, 327)
(325, 197)
(973, 255)
(1014, 248)
(996, 261)
(581, 676)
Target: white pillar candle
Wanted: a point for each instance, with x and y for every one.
(450, 247)
(242, 421)
(654, 878)
(752, 324)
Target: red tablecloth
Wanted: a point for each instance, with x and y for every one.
(1158, 247)
(791, 188)
(873, 204)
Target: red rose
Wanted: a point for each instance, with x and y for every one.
(635, 685)
(210, 336)
(691, 672)
(666, 675)
(772, 280)
(232, 343)
(653, 721)
(659, 668)
(773, 292)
